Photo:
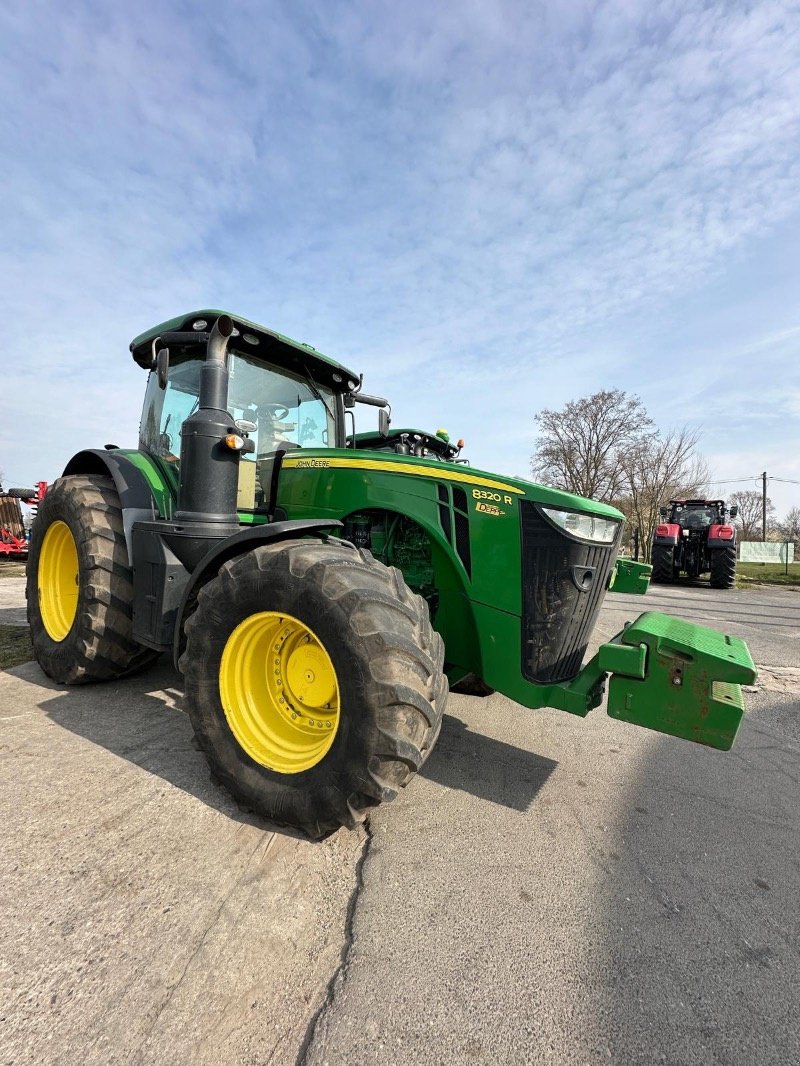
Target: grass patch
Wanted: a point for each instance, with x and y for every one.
(9, 568)
(15, 646)
(767, 574)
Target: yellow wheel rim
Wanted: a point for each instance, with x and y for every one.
(279, 692)
(58, 581)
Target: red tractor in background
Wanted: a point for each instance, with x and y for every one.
(13, 542)
(694, 538)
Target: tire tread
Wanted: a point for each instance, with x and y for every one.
(100, 646)
(662, 560)
(723, 568)
(405, 689)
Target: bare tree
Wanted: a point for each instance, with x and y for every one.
(749, 519)
(584, 447)
(660, 468)
(789, 528)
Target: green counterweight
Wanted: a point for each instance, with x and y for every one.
(678, 678)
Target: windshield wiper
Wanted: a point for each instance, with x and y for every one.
(314, 388)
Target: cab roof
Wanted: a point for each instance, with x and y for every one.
(250, 337)
(698, 503)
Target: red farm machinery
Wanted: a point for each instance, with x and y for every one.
(13, 541)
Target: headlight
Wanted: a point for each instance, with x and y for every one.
(584, 526)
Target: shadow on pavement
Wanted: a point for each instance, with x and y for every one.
(700, 914)
(139, 719)
(486, 768)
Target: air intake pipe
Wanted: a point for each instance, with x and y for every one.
(209, 468)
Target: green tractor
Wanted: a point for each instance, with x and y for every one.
(319, 588)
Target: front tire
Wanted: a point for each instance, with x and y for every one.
(723, 568)
(314, 682)
(80, 586)
(663, 564)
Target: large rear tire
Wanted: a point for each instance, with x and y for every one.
(723, 567)
(80, 586)
(663, 563)
(314, 682)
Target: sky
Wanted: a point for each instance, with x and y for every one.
(488, 208)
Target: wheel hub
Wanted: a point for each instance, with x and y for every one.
(58, 581)
(279, 692)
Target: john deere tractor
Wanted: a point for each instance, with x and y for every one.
(318, 589)
(695, 538)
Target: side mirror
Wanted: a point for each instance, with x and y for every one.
(162, 367)
(733, 511)
(663, 512)
(383, 422)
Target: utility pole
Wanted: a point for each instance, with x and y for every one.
(764, 507)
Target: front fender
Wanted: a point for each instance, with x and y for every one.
(228, 549)
(135, 494)
(130, 482)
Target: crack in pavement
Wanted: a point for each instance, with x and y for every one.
(338, 975)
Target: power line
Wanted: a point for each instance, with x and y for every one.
(755, 477)
(736, 480)
(763, 478)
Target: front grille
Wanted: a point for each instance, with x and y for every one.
(558, 615)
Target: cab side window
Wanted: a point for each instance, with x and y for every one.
(166, 409)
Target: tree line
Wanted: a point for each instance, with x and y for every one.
(607, 447)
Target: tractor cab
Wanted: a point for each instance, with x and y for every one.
(697, 515)
(281, 395)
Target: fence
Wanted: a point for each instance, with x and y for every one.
(754, 551)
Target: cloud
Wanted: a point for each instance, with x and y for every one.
(488, 208)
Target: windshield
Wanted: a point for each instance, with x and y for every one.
(288, 410)
(695, 517)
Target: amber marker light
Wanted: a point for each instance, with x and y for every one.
(234, 442)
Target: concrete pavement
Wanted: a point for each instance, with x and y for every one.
(547, 890)
(145, 918)
(573, 892)
(567, 891)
